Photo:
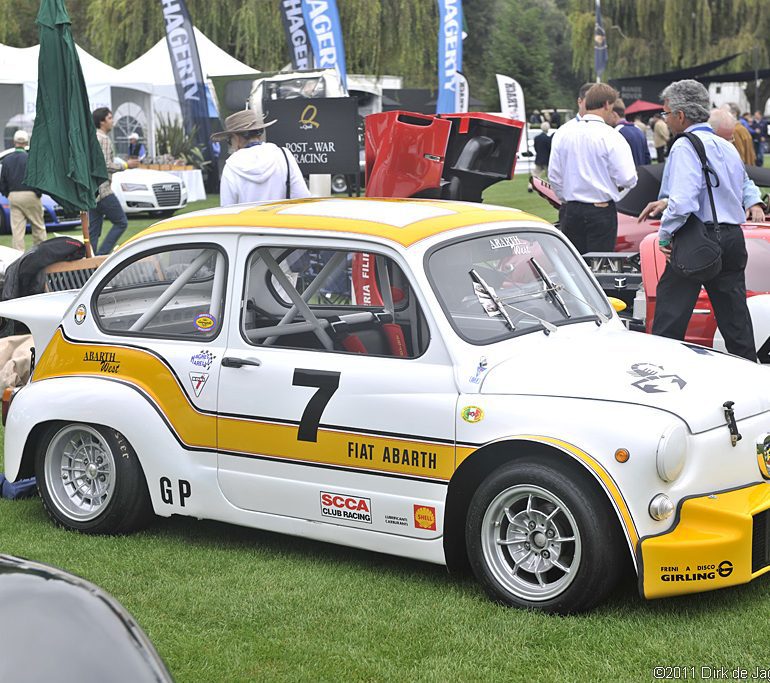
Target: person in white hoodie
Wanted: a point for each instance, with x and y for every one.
(256, 170)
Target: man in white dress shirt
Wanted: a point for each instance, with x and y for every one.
(591, 164)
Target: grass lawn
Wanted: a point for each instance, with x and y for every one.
(224, 603)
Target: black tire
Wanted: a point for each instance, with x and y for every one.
(90, 479)
(526, 569)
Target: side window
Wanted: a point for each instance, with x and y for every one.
(337, 300)
(176, 292)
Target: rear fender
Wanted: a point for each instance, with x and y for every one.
(41, 313)
(166, 461)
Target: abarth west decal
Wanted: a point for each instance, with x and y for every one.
(396, 454)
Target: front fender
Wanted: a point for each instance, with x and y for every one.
(123, 407)
(759, 308)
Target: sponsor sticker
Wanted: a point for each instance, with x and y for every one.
(516, 244)
(80, 314)
(481, 368)
(205, 322)
(198, 380)
(396, 520)
(472, 414)
(204, 359)
(696, 572)
(425, 517)
(344, 506)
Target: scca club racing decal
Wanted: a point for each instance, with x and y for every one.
(652, 379)
(698, 572)
(425, 517)
(344, 506)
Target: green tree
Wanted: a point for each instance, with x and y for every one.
(520, 49)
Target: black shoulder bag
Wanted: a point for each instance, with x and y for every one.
(288, 174)
(695, 254)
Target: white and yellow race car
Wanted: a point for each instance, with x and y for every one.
(436, 380)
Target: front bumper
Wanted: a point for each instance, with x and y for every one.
(718, 540)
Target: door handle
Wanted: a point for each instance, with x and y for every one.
(232, 362)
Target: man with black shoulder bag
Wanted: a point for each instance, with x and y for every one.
(704, 199)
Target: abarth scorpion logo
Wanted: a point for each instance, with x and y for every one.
(652, 379)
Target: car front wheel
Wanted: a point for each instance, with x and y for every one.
(90, 480)
(541, 539)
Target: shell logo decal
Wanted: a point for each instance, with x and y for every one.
(425, 517)
(472, 414)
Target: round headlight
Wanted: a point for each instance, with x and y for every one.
(672, 452)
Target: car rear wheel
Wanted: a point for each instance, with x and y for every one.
(90, 480)
(540, 539)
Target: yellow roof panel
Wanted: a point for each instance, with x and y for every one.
(404, 221)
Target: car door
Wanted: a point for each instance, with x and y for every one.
(309, 429)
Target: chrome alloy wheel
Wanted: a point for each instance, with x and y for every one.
(79, 472)
(531, 542)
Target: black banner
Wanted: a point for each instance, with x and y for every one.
(296, 34)
(320, 132)
(186, 64)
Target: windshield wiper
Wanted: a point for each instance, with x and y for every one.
(602, 318)
(550, 287)
(489, 300)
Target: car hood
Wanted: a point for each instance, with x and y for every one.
(689, 381)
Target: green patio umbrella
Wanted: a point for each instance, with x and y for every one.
(65, 159)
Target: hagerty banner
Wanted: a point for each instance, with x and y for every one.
(450, 54)
(190, 86)
(323, 26)
(296, 34)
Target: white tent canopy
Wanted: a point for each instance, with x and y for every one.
(18, 87)
(155, 66)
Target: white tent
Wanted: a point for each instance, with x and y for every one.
(155, 66)
(18, 87)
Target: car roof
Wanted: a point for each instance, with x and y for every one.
(404, 221)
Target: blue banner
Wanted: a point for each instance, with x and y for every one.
(600, 43)
(322, 21)
(450, 54)
(296, 34)
(190, 86)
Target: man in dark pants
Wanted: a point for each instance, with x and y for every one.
(107, 204)
(590, 163)
(683, 192)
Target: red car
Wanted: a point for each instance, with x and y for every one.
(636, 282)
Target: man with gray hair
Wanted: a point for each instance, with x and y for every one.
(683, 192)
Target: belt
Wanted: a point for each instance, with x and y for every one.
(600, 205)
(721, 225)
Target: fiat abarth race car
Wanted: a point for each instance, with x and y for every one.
(437, 380)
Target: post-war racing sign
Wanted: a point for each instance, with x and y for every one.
(320, 132)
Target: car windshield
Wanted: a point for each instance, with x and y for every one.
(508, 283)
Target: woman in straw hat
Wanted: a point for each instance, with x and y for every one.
(256, 170)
